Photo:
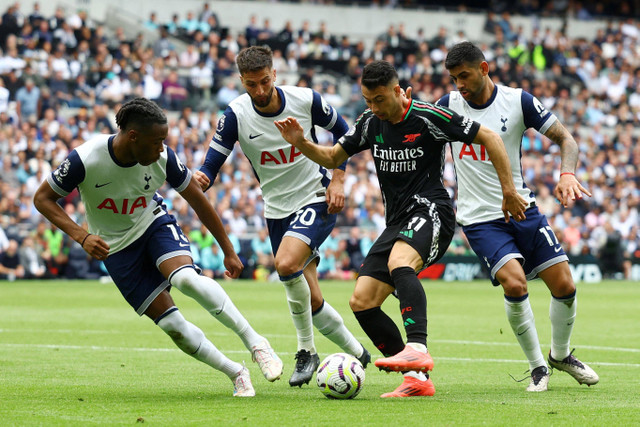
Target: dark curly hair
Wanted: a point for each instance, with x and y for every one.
(139, 112)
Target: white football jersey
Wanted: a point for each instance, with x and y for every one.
(120, 200)
(509, 113)
(288, 179)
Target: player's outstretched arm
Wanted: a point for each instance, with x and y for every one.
(568, 187)
(512, 202)
(195, 197)
(45, 200)
(292, 132)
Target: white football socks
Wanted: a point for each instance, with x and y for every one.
(562, 312)
(299, 300)
(190, 339)
(210, 295)
(523, 324)
(330, 324)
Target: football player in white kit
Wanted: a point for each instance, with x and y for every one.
(515, 252)
(301, 198)
(141, 244)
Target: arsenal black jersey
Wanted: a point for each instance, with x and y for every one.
(409, 155)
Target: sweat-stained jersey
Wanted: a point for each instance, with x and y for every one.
(120, 200)
(409, 155)
(509, 113)
(288, 179)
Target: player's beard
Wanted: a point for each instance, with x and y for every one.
(264, 100)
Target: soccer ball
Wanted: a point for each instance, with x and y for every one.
(340, 376)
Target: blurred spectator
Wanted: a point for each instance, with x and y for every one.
(10, 267)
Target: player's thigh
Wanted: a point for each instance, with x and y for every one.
(404, 255)
(292, 255)
(494, 242)
(369, 292)
(558, 279)
(511, 277)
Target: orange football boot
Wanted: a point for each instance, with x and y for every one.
(408, 359)
(411, 387)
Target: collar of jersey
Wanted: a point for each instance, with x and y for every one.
(113, 156)
(277, 113)
(486, 104)
(406, 112)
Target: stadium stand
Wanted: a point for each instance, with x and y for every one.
(63, 73)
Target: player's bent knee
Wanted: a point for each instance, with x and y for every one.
(185, 279)
(514, 287)
(185, 335)
(359, 302)
(287, 266)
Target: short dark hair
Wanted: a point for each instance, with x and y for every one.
(139, 112)
(463, 53)
(378, 73)
(254, 58)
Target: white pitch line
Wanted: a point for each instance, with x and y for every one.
(151, 349)
(225, 333)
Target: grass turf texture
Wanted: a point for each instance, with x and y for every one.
(74, 352)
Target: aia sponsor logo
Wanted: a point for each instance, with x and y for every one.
(128, 207)
(279, 157)
(469, 150)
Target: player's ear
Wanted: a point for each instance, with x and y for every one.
(484, 67)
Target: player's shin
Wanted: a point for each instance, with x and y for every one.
(413, 304)
(330, 324)
(299, 300)
(210, 295)
(382, 331)
(562, 313)
(523, 324)
(190, 339)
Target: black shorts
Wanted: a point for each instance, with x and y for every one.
(428, 227)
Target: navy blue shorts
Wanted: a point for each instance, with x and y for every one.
(312, 224)
(428, 228)
(531, 241)
(134, 269)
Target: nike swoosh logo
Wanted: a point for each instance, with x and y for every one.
(297, 227)
(520, 333)
(255, 136)
(557, 249)
(102, 185)
(184, 245)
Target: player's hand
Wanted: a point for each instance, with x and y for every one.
(291, 130)
(515, 205)
(335, 197)
(233, 265)
(96, 247)
(569, 189)
(202, 179)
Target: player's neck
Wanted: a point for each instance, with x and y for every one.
(120, 150)
(402, 110)
(486, 93)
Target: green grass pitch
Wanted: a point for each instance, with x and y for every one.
(74, 353)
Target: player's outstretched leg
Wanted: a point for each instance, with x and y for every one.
(414, 384)
(329, 322)
(190, 339)
(210, 295)
(577, 369)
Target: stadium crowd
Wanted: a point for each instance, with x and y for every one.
(62, 77)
